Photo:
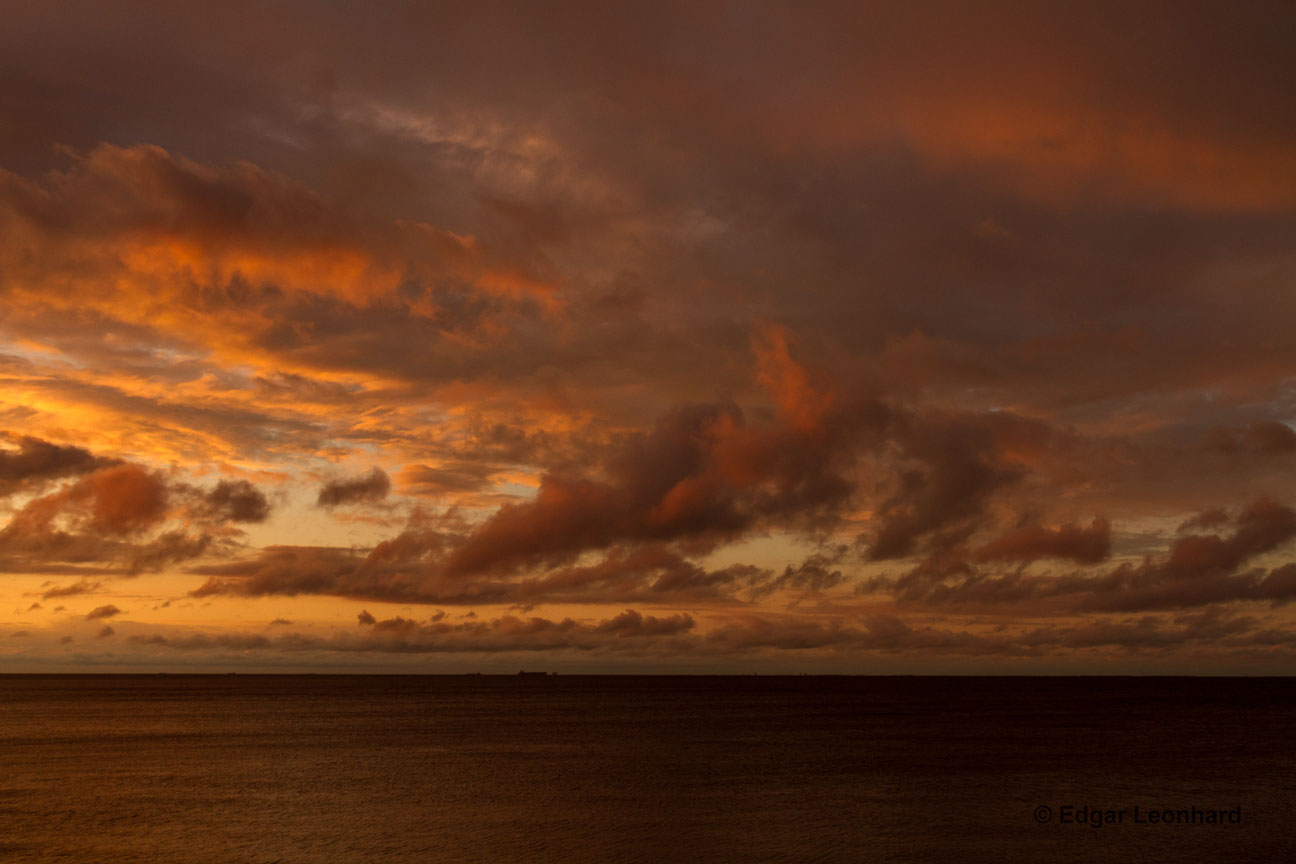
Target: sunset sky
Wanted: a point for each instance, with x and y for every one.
(865, 337)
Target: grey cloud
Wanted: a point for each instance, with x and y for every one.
(372, 486)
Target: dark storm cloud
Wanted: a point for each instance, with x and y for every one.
(703, 476)
(1031, 542)
(639, 574)
(510, 633)
(812, 576)
(37, 461)
(203, 641)
(704, 473)
(454, 477)
(891, 635)
(758, 634)
(372, 486)
(116, 502)
(71, 590)
(956, 464)
(1196, 570)
(1203, 569)
(168, 548)
(114, 520)
(1214, 517)
(105, 512)
(293, 570)
(237, 501)
(401, 570)
(496, 635)
(631, 624)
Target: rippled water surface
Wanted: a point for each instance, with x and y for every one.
(242, 768)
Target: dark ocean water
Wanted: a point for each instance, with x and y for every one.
(606, 769)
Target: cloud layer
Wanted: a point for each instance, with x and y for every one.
(687, 332)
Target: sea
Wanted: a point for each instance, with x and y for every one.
(479, 768)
